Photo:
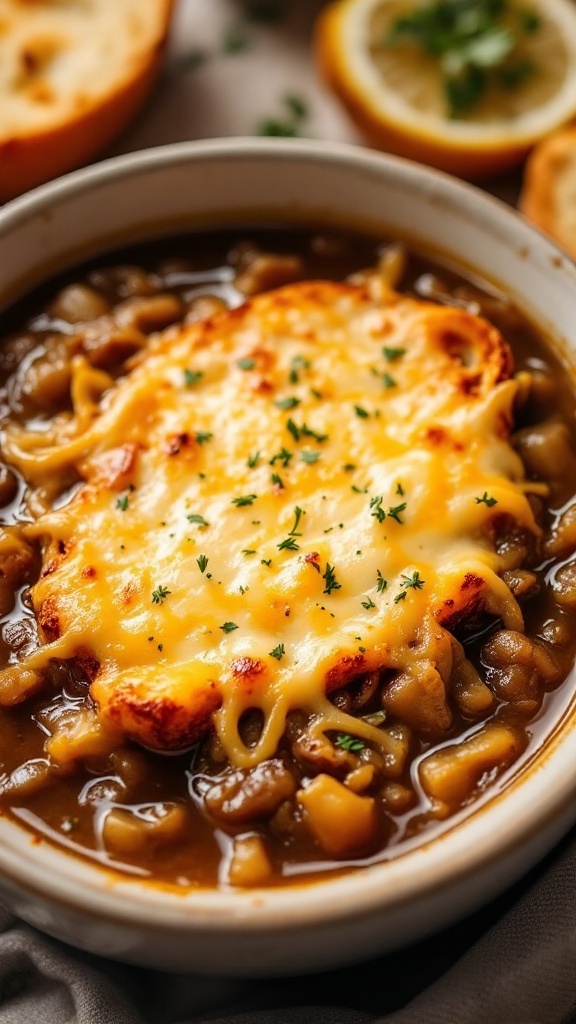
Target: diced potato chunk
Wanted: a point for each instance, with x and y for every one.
(342, 822)
(126, 834)
(250, 864)
(451, 774)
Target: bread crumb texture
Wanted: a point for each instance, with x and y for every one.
(72, 74)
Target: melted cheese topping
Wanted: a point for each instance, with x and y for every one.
(277, 500)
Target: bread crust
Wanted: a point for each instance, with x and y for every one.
(548, 196)
(52, 125)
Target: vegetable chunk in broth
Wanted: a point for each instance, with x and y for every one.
(287, 553)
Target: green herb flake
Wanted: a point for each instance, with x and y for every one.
(391, 354)
(349, 467)
(278, 652)
(351, 744)
(400, 490)
(246, 363)
(160, 594)
(362, 413)
(485, 500)
(287, 403)
(253, 460)
(368, 603)
(202, 562)
(381, 583)
(288, 544)
(122, 503)
(277, 480)
(395, 512)
(198, 519)
(330, 579)
(310, 457)
(284, 456)
(475, 43)
(388, 380)
(235, 40)
(191, 377)
(412, 581)
(249, 551)
(228, 627)
(298, 513)
(201, 437)
(246, 499)
(298, 363)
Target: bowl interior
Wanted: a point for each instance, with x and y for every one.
(175, 189)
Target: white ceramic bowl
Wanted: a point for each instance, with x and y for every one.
(377, 908)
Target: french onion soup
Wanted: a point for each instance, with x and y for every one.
(287, 567)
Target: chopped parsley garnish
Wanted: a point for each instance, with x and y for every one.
(288, 544)
(296, 106)
(376, 504)
(235, 40)
(362, 413)
(278, 652)
(123, 502)
(191, 377)
(399, 489)
(330, 578)
(475, 43)
(294, 430)
(287, 403)
(388, 380)
(253, 460)
(349, 467)
(368, 603)
(290, 126)
(298, 363)
(202, 436)
(413, 581)
(160, 594)
(277, 480)
(380, 514)
(266, 561)
(310, 457)
(198, 519)
(228, 627)
(304, 431)
(394, 512)
(249, 551)
(246, 363)
(485, 500)
(282, 456)
(382, 583)
(351, 744)
(391, 354)
(298, 513)
(202, 562)
(246, 499)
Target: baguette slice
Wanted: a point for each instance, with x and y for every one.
(548, 195)
(72, 74)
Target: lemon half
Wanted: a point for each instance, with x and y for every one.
(395, 95)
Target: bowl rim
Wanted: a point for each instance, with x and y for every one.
(463, 849)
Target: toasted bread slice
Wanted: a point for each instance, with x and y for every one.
(548, 195)
(71, 77)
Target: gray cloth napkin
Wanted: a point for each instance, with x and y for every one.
(512, 963)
